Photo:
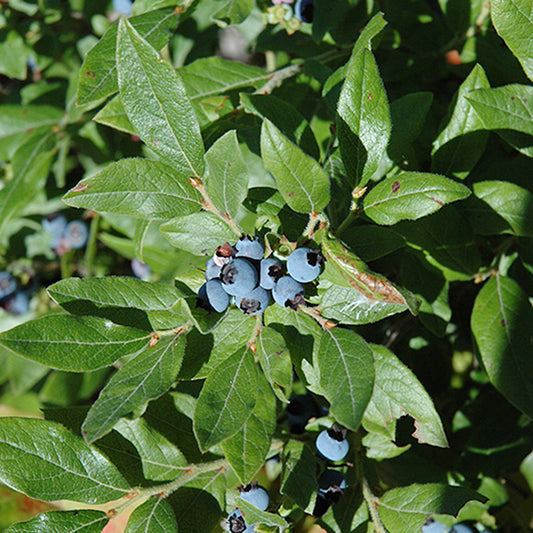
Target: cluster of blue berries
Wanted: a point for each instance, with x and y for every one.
(65, 235)
(242, 273)
(12, 299)
(434, 526)
(255, 495)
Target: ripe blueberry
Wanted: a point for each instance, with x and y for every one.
(76, 234)
(304, 10)
(256, 495)
(212, 270)
(332, 444)
(236, 524)
(331, 485)
(123, 6)
(270, 270)
(250, 248)
(433, 526)
(7, 285)
(239, 276)
(462, 528)
(140, 270)
(304, 264)
(55, 225)
(213, 297)
(254, 302)
(18, 303)
(288, 292)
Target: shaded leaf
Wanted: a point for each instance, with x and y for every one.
(233, 12)
(155, 516)
(501, 320)
(114, 116)
(227, 399)
(253, 515)
(143, 378)
(45, 461)
(398, 392)
(346, 370)
(15, 119)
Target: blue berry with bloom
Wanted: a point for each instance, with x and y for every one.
(250, 248)
(55, 226)
(304, 264)
(270, 270)
(239, 276)
(434, 526)
(212, 270)
(7, 285)
(288, 292)
(332, 445)
(76, 234)
(213, 297)
(256, 495)
(140, 270)
(18, 303)
(123, 6)
(331, 485)
(254, 302)
(304, 10)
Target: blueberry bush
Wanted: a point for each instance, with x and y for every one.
(267, 266)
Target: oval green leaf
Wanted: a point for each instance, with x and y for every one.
(83, 521)
(155, 516)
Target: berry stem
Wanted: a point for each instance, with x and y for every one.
(90, 250)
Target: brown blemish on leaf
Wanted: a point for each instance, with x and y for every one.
(290, 194)
(90, 74)
(435, 200)
(503, 322)
(369, 96)
(396, 186)
(80, 187)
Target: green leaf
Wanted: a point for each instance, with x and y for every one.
(30, 166)
(114, 116)
(149, 305)
(513, 20)
(155, 516)
(157, 104)
(398, 392)
(373, 242)
(16, 119)
(161, 459)
(364, 41)
(275, 360)
(205, 493)
(13, 54)
(351, 293)
(346, 370)
(98, 74)
(77, 344)
(411, 195)
(460, 144)
(301, 180)
(246, 451)
(453, 252)
(139, 188)
(62, 466)
(227, 399)
(407, 508)
(233, 12)
(364, 123)
(505, 108)
(501, 319)
(212, 76)
(285, 117)
(83, 521)
(299, 480)
(145, 377)
(183, 233)
(227, 183)
(512, 202)
(253, 515)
